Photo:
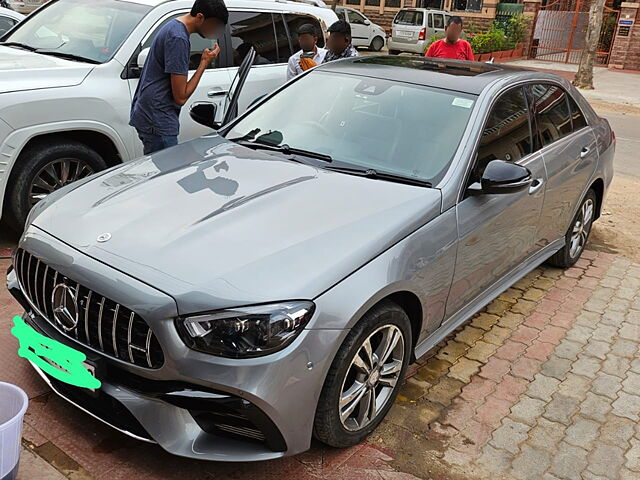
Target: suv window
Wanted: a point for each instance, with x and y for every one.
(507, 133)
(438, 20)
(198, 44)
(6, 24)
(409, 17)
(577, 118)
(294, 21)
(257, 30)
(430, 20)
(553, 117)
(355, 17)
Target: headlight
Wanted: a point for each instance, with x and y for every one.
(246, 332)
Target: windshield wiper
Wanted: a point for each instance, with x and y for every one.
(19, 45)
(68, 56)
(371, 173)
(284, 148)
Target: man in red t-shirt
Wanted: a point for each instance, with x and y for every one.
(451, 46)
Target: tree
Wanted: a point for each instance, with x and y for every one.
(584, 77)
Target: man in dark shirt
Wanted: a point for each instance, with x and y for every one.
(339, 42)
(163, 87)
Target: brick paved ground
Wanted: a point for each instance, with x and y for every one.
(543, 384)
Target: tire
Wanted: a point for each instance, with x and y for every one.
(80, 160)
(345, 373)
(376, 44)
(577, 235)
(394, 52)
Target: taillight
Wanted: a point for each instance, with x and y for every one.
(423, 33)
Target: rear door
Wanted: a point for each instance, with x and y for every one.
(497, 232)
(570, 155)
(438, 25)
(407, 26)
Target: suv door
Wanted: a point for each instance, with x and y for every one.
(212, 87)
(496, 233)
(570, 155)
(360, 28)
(436, 24)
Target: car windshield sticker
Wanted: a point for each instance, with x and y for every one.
(56, 359)
(462, 102)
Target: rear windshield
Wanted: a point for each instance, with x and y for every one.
(409, 17)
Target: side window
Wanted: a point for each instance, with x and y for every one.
(552, 113)
(430, 20)
(507, 134)
(253, 29)
(283, 49)
(198, 44)
(355, 18)
(577, 118)
(438, 20)
(293, 23)
(6, 24)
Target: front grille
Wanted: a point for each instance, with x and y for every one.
(102, 323)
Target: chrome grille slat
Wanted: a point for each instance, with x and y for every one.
(38, 280)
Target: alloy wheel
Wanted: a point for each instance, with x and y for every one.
(581, 228)
(371, 377)
(55, 175)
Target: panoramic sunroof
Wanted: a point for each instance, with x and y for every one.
(431, 64)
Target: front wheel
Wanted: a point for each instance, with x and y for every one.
(365, 377)
(577, 235)
(376, 44)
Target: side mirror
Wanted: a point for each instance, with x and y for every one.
(501, 177)
(367, 22)
(204, 114)
(142, 57)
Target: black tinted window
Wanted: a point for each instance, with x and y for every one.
(577, 119)
(552, 113)
(6, 24)
(506, 135)
(253, 29)
(283, 49)
(293, 23)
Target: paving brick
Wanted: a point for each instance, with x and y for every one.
(543, 387)
(629, 331)
(606, 460)
(633, 457)
(588, 319)
(544, 283)
(582, 433)
(617, 431)
(527, 410)
(459, 413)
(485, 321)
(444, 391)
(546, 434)
(561, 408)
(495, 460)
(563, 319)
(616, 365)
(478, 389)
(452, 351)
(595, 407)
(533, 294)
(619, 305)
(574, 386)
(476, 435)
(469, 335)
(627, 405)
(530, 464)
(579, 334)
(597, 306)
(481, 351)
(597, 348)
(497, 335)
(433, 369)
(510, 388)
(607, 385)
(509, 435)
(525, 307)
(552, 334)
(412, 390)
(525, 335)
(569, 462)
(511, 295)
(464, 369)
(510, 350)
(540, 350)
(635, 365)
(624, 348)
(511, 320)
(556, 367)
(495, 369)
(498, 307)
(538, 320)
(585, 366)
(525, 367)
(492, 411)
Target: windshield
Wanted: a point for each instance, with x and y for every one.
(92, 30)
(409, 17)
(363, 122)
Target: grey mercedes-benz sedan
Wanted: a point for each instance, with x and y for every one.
(240, 293)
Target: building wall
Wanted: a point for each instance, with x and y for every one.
(625, 53)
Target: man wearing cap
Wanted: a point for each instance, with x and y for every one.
(310, 54)
(339, 42)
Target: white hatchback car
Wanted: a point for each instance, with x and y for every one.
(68, 73)
(364, 32)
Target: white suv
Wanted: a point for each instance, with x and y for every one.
(69, 71)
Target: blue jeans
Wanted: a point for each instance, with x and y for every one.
(155, 143)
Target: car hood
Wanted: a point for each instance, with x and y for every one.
(21, 70)
(218, 225)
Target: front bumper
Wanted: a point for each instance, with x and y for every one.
(195, 405)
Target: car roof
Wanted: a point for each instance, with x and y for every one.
(232, 3)
(7, 12)
(458, 75)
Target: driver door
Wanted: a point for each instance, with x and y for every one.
(360, 31)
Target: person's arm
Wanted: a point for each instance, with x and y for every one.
(183, 89)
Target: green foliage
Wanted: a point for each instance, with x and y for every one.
(515, 31)
(492, 40)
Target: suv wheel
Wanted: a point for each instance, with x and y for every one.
(44, 168)
(376, 44)
(577, 235)
(365, 377)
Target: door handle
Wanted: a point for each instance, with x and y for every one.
(584, 152)
(536, 185)
(217, 93)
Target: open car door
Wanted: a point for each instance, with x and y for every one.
(207, 114)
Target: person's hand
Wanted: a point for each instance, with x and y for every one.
(209, 55)
(307, 63)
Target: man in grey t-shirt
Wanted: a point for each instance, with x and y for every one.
(164, 85)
